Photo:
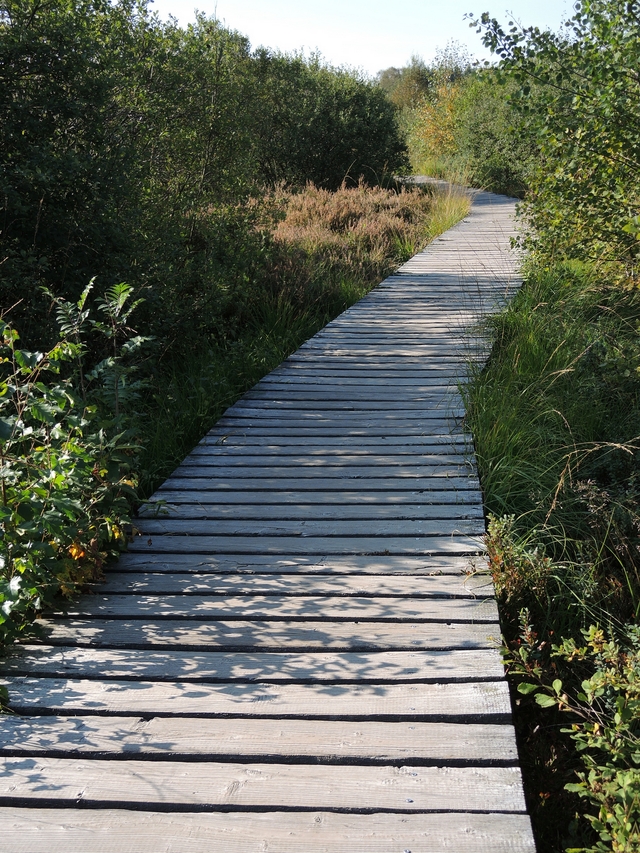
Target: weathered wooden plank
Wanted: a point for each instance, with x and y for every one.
(334, 741)
(274, 607)
(238, 427)
(205, 786)
(237, 444)
(458, 545)
(338, 667)
(307, 511)
(430, 347)
(302, 379)
(355, 351)
(262, 635)
(408, 369)
(317, 437)
(479, 702)
(365, 322)
(424, 586)
(365, 470)
(441, 353)
(439, 330)
(324, 527)
(484, 701)
(398, 420)
(403, 370)
(388, 485)
(403, 322)
(462, 500)
(303, 383)
(447, 333)
(332, 397)
(438, 410)
(385, 564)
(362, 386)
(323, 403)
(317, 545)
(208, 456)
(119, 831)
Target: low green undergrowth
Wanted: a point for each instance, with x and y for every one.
(597, 687)
(68, 459)
(555, 416)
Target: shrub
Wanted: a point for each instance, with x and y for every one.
(67, 478)
(579, 95)
(600, 692)
(323, 125)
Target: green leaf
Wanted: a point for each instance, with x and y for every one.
(27, 360)
(6, 428)
(526, 688)
(545, 701)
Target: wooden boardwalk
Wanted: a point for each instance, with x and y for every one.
(298, 655)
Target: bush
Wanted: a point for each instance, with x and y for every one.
(556, 420)
(130, 149)
(600, 692)
(68, 461)
(322, 125)
(579, 95)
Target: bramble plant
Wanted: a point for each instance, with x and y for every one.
(66, 485)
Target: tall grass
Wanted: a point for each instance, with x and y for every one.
(326, 251)
(555, 417)
(556, 422)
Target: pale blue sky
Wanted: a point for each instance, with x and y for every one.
(366, 34)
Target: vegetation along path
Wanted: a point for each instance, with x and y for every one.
(299, 652)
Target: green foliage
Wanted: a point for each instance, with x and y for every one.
(492, 142)
(579, 95)
(66, 478)
(407, 87)
(460, 123)
(601, 694)
(556, 418)
(131, 149)
(321, 125)
(65, 151)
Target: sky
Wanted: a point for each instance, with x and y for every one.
(366, 34)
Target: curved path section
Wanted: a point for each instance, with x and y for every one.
(299, 652)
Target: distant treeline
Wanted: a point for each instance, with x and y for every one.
(129, 147)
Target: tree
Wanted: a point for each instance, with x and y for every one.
(322, 124)
(64, 155)
(579, 94)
